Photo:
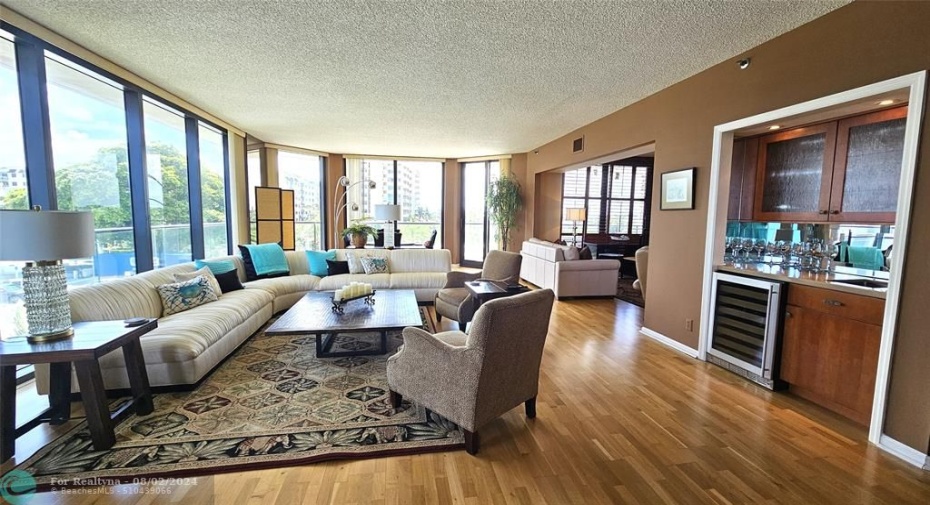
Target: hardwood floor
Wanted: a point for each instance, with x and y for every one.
(621, 419)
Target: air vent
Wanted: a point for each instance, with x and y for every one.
(578, 145)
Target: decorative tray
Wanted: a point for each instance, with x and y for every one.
(339, 307)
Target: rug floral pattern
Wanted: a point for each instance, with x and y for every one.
(272, 402)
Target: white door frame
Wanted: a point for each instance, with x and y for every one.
(717, 213)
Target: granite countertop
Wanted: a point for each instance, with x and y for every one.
(824, 280)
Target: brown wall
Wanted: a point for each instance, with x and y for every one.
(858, 44)
(452, 209)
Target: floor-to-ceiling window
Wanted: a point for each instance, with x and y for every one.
(213, 190)
(253, 167)
(303, 173)
(14, 190)
(88, 127)
(415, 185)
(479, 232)
(96, 143)
(169, 197)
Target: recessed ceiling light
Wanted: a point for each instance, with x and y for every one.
(774, 127)
(886, 102)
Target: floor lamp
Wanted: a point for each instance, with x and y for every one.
(389, 214)
(341, 203)
(575, 215)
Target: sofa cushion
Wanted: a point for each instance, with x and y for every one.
(115, 300)
(216, 266)
(420, 260)
(354, 258)
(333, 282)
(264, 261)
(421, 280)
(182, 296)
(184, 336)
(453, 296)
(280, 286)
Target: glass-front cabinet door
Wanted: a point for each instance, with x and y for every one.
(794, 174)
(867, 171)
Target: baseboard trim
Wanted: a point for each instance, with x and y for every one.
(905, 452)
(669, 342)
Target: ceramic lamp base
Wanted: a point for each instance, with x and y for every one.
(48, 312)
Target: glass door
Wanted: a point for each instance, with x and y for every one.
(479, 234)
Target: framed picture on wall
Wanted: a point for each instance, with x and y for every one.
(678, 190)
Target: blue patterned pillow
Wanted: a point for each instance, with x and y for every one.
(373, 265)
(186, 295)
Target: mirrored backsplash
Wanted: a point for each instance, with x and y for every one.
(816, 247)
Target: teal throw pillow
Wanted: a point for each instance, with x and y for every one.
(186, 295)
(317, 260)
(373, 265)
(216, 266)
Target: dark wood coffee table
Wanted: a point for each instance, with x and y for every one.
(313, 315)
(91, 340)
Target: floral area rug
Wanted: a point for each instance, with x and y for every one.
(272, 403)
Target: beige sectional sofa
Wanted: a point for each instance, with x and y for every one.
(187, 346)
(544, 265)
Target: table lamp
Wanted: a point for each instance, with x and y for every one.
(574, 215)
(42, 239)
(390, 214)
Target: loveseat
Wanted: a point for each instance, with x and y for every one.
(545, 265)
(186, 346)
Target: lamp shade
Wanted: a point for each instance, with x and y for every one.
(387, 212)
(575, 214)
(45, 235)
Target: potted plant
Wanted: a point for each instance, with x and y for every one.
(504, 201)
(359, 231)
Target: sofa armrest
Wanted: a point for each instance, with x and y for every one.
(456, 279)
(579, 265)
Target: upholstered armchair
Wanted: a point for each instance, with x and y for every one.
(454, 301)
(642, 262)
(471, 379)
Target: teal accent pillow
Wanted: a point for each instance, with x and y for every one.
(186, 295)
(216, 266)
(317, 260)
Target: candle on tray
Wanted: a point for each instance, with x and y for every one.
(337, 296)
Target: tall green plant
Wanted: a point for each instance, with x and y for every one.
(504, 201)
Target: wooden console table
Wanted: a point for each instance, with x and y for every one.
(91, 340)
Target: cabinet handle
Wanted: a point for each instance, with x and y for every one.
(788, 315)
(833, 303)
(834, 212)
(824, 212)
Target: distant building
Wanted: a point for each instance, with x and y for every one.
(10, 179)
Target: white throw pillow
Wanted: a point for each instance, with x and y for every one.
(571, 253)
(355, 260)
(206, 272)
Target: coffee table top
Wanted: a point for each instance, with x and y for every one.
(91, 339)
(393, 309)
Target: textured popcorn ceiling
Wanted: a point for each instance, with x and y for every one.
(416, 78)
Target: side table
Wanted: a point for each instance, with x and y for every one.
(91, 340)
(484, 291)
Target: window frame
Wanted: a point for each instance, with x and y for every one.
(31, 52)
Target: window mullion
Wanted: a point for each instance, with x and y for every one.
(138, 183)
(194, 191)
(37, 137)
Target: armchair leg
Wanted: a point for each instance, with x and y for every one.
(530, 406)
(472, 441)
(396, 399)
